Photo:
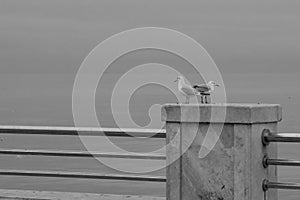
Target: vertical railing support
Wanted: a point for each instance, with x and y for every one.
(233, 169)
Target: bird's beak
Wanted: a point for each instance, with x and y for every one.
(176, 80)
(217, 85)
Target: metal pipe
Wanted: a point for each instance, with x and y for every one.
(277, 185)
(280, 162)
(268, 137)
(65, 174)
(84, 131)
(66, 153)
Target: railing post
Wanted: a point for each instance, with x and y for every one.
(233, 169)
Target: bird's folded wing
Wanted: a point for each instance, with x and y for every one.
(201, 88)
(188, 90)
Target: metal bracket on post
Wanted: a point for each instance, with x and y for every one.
(265, 161)
(265, 133)
(265, 185)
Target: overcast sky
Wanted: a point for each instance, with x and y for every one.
(54, 36)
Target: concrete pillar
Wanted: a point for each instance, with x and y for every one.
(233, 169)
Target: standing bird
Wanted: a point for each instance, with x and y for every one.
(186, 89)
(205, 90)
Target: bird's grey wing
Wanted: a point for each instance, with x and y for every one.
(188, 90)
(201, 88)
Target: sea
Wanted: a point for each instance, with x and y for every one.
(46, 100)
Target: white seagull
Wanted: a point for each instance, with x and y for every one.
(205, 90)
(186, 89)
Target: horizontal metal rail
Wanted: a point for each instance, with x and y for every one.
(64, 174)
(268, 137)
(277, 185)
(281, 162)
(65, 153)
(84, 131)
(9, 194)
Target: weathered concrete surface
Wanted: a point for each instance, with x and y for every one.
(174, 166)
(233, 169)
(236, 113)
(44, 195)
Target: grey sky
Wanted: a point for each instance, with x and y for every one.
(54, 36)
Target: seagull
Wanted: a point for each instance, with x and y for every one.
(186, 89)
(205, 89)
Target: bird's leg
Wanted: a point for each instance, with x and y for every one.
(206, 101)
(201, 99)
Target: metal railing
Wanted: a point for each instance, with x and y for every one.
(67, 153)
(73, 131)
(276, 185)
(267, 138)
(83, 131)
(65, 174)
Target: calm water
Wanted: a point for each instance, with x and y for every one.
(39, 99)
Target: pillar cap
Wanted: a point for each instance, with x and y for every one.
(235, 113)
